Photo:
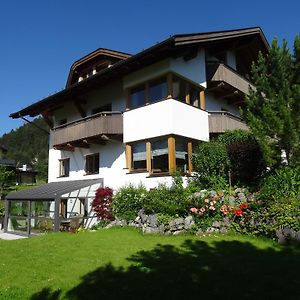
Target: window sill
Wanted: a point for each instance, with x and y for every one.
(136, 172)
(87, 174)
(63, 176)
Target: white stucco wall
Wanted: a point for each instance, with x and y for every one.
(193, 69)
(112, 167)
(163, 118)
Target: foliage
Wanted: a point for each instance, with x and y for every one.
(273, 108)
(209, 207)
(233, 136)
(281, 186)
(246, 160)
(100, 224)
(29, 145)
(2, 209)
(128, 201)
(247, 163)
(102, 204)
(7, 176)
(171, 201)
(211, 163)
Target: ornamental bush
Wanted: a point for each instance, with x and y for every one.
(281, 186)
(211, 163)
(128, 201)
(171, 201)
(102, 204)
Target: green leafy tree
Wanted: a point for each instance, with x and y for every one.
(273, 108)
(6, 178)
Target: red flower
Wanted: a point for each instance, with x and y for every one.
(237, 212)
(244, 206)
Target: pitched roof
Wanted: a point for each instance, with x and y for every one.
(53, 190)
(174, 44)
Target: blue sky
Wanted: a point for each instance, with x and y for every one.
(41, 39)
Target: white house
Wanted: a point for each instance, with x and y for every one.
(137, 118)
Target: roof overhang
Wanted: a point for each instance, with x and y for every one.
(51, 191)
(170, 47)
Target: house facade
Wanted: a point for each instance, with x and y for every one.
(136, 119)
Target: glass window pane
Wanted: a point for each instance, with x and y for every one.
(137, 97)
(139, 156)
(194, 97)
(181, 155)
(179, 89)
(160, 156)
(158, 90)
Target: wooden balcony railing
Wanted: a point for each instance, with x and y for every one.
(82, 130)
(221, 121)
(219, 74)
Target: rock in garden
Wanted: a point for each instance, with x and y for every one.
(152, 220)
(216, 224)
(188, 222)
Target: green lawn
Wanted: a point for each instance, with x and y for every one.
(124, 264)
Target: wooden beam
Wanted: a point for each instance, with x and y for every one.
(147, 93)
(65, 147)
(202, 100)
(127, 95)
(190, 154)
(148, 157)
(172, 157)
(47, 116)
(187, 94)
(128, 154)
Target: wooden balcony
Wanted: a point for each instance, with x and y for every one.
(225, 82)
(221, 121)
(95, 129)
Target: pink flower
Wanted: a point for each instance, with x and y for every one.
(206, 200)
(194, 210)
(212, 203)
(215, 196)
(212, 208)
(200, 213)
(202, 209)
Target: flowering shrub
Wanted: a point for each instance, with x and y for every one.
(102, 204)
(210, 207)
(128, 201)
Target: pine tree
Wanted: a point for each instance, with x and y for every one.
(273, 108)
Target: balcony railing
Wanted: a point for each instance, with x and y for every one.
(221, 121)
(219, 74)
(104, 123)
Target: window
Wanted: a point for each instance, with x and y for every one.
(137, 97)
(157, 90)
(179, 89)
(139, 156)
(92, 164)
(160, 156)
(181, 155)
(194, 97)
(64, 167)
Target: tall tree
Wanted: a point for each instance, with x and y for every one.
(273, 108)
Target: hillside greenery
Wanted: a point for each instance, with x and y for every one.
(29, 145)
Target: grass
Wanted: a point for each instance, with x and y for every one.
(121, 263)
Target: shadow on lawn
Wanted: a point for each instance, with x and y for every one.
(223, 270)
